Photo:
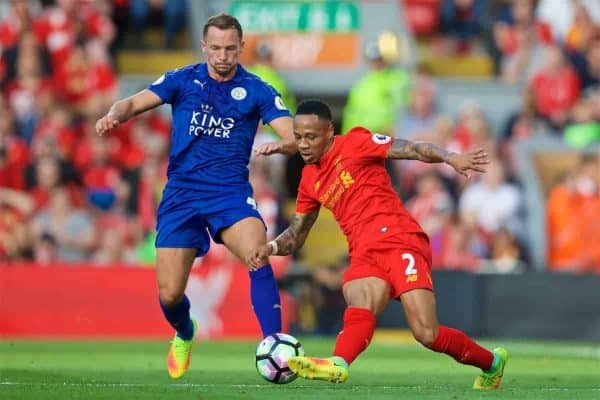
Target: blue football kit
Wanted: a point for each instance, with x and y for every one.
(214, 125)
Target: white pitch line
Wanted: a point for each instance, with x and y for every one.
(246, 386)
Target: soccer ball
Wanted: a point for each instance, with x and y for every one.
(272, 356)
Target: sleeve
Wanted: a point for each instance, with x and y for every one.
(270, 104)
(305, 203)
(166, 86)
(365, 144)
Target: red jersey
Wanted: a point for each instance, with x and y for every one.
(350, 179)
(556, 93)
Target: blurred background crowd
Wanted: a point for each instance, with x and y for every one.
(68, 195)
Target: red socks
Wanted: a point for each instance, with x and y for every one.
(359, 325)
(462, 348)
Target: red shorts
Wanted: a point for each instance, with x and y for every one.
(406, 265)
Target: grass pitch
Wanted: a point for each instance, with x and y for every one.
(225, 370)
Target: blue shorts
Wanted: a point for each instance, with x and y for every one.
(186, 217)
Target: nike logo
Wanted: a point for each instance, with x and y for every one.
(276, 306)
(197, 82)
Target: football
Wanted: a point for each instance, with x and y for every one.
(272, 356)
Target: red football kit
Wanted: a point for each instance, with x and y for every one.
(384, 241)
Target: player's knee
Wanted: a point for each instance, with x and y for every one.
(362, 300)
(169, 296)
(425, 334)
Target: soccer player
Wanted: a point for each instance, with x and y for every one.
(390, 256)
(216, 108)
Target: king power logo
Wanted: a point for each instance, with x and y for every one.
(204, 123)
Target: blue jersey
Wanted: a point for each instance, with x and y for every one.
(214, 124)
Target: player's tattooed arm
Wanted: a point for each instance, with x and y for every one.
(430, 153)
(287, 242)
(295, 235)
(422, 151)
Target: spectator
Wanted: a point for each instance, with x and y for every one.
(583, 129)
(505, 257)
(14, 154)
(80, 81)
(582, 29)
(374, 100)
(587, 185)
(101, 177)
(432, 205)
(473, 130)
(18, 20)
(463, 21)
(68, 24)
(47, 173)
(522, 125)
(556, 88)
(27, 46)
(28, 83)
(71, 229)
(561, 13)
(492, 202)
(57, 127)
(525, 122)
(173, 11)
(113, 249)
(572, 214)
(519, 66)
(422, 17)
(521, 17)
(564, 226)
(461, 247)
(45, 251)
(15, 209)
(587, 64)
(420, 116)
(149, 182)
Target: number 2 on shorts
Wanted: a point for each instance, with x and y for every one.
(410, 268)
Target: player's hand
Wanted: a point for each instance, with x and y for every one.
(283, 146)
(267, 149)
(106, 123)
(259, 257)
(472, 161)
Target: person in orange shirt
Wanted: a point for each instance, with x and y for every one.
(587, 185)
(573, 211)
(563, 226)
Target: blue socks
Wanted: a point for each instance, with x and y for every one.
(179, 318)
(265, 300)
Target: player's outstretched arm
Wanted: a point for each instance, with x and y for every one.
(284, 127)
(287, 242)
(126, 108)
(430, 153)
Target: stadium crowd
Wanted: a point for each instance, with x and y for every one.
(69, 195)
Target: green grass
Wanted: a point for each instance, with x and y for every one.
(225, 370)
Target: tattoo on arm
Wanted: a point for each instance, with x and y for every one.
(422, 151)
(294, 236)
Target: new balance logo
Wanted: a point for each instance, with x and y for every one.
(197, 82)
